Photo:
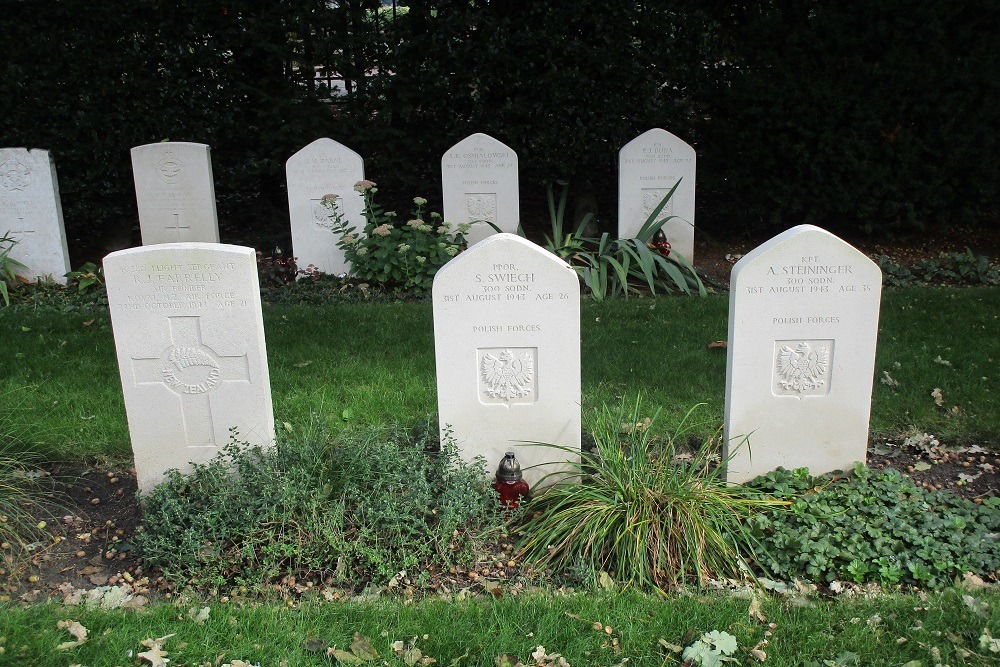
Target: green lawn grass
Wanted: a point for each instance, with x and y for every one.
(369, 363)
(889, 630)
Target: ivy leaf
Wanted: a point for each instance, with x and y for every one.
(977, 607)
(992, 644)
(362, 647)
(197, 615)
(922, 466)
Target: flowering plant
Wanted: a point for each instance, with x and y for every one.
(403, 255)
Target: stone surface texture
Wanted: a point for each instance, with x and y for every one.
(803, 322)
(480, 182)
(31, 213)
(323, 167)
(507, 349)
(648, 166)
(190, 343)
(175, 192)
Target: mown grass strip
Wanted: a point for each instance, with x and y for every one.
(894, 629)
(356, 363)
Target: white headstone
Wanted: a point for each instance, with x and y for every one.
(31, 213)
(803, 322)
(507, 347)
(479, 181)
(324, 167)
(648, 166)
(190, 342)
(175, 192)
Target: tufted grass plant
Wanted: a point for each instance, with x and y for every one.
(650, 511)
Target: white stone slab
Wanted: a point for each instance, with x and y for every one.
(479, 182)
(190, 342)
(175, 191)
(507, 347)
(31, 212)
(803, 322)
(321, 168)
(648, 166)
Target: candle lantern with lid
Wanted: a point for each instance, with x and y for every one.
(510, 482)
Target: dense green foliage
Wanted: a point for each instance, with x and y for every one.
(875, 526)
(956, 268)
(346, 512)
(873, 116)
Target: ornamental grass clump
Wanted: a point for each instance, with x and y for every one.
(650, 512)
(400, 254)
(27, 503)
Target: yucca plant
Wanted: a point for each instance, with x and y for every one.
(647, 511)
(7, 265)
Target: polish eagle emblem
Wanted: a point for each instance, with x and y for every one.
(802, 368)
(507, 376)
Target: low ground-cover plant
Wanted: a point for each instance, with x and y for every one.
(400, 254)
(954, 268)
(360, 508)
(875, 526)
(647, 511)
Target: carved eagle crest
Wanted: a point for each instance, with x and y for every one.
(506, 375)
(802, 368)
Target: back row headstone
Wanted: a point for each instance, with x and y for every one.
(648, 167)
(31, 213)
(479, 180)
(190, 343)
(803, 323)
(507, 349)
(324, 167)
(175, 193)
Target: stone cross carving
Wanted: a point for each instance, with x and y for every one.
(192, 370)
(178, 225)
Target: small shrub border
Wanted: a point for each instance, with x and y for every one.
(345, 512)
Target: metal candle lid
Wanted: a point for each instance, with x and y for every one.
(509, 469)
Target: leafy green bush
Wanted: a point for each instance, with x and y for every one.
(361, 508)
(646, 512)
(393, 253)
(875, 526)
(954, 268)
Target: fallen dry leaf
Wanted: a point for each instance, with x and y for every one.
(155, 656)
(717, 343)
(74, 629)
(755, 612)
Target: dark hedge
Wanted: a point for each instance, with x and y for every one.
(860, 116)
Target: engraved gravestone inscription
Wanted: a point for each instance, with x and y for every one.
(175, 193)
(803, 321)
(190, 343)
(648, 167)
(479, 181)
(506, 339)
(31, 213)
(324, 167)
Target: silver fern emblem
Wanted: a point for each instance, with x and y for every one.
(186, 357)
